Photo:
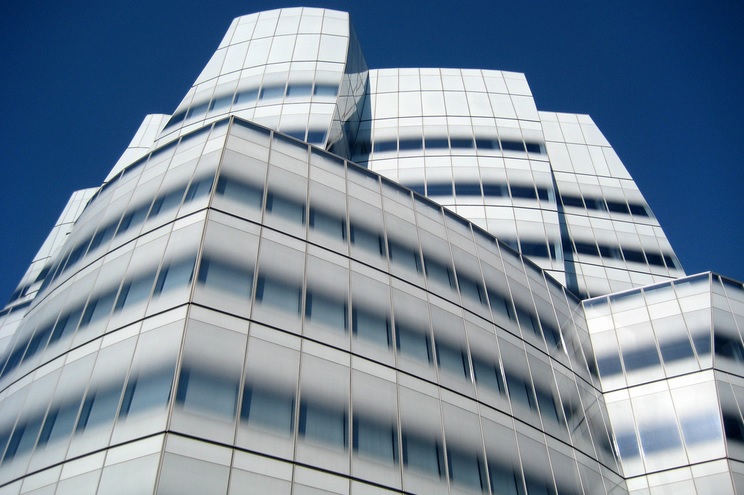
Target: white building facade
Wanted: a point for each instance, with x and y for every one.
(314, 277)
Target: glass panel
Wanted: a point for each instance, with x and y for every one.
(372, 327)
(423, 454)
(414, 343)
(279, 295)
(268, 409)
(326, 311)
(375, 440)
(325, 425)
(201, 392)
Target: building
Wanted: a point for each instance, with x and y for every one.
(314, 277)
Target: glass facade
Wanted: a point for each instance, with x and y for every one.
(318, 278)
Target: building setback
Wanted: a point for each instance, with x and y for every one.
(319, 278)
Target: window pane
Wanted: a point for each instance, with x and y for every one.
(268, 409)
(375, 440)
(325, 425)
(147, 392)
(230, 278)
(203, 393)
(423, 454)
(452, 360)
(326, 311)
(413, 343)
(279, 295)
(372, 327)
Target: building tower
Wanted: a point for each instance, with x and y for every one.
(314, 277)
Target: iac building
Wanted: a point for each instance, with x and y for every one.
(319, 278)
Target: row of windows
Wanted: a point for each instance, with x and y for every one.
(248, 97)
(489, 144)
(77, 318)
(132, 218)
(486, 189)
(376, 328)
(626, 254)
(680, 349)
(267, 409)
(602, 204)
(99, 406)
(399, 254)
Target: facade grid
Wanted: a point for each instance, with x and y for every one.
(314, 277)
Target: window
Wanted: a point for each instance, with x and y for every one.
(197, 110)
(487, 144)
(423, 454)
(471, 289)
(98, 308)
(439, 189)
(323, 424)
(508, 145)
(728, 347)
(461, 142)
(436, 143)
(505, 480)
(404, 256)
(495, 190)
(467, 469)
(372, 327)
(279, 295)
(467, 189)
(488, 374)
(501, 305)
(175, 275)
(147, 391)
(574, 201)
(642, 357)
(676, 350)
(268, 409)
(546, 401)
(134, 291)
(439, 272)
(220, 103)
(375, 440)
(198, 188)
(609, 364)
(325, 90)
(327, 224)
(66, 325)
(413, 343)
(385, 146)
(133, 219)
(299, 90)
(269, 92)
(202, 392)
(59, 422)
(228, 278)
(523, 192)
(285, 208)
(367, 240)
(453, 360)
(410, 144)
(246, 194)
(520, 390)
(246, 96)
(166, 200)
(99, 407)
(23, 439)
(316, 136)
(327, 311)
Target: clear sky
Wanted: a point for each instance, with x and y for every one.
(663, 80)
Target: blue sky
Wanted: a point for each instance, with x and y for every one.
(663, 81)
